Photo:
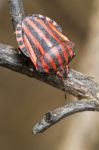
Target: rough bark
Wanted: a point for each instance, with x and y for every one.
(76, 83)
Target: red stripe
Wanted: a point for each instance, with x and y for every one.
(57, 55)
(51, 61)
(40, 33)
(31, 52)
(47, 29)
(63, 37)
(34, 40)
(49, 58)
(70, 50)
(44, 65)
(52, 35)
(30, 49)
(47, 41)
(59, 33)
(64, 53)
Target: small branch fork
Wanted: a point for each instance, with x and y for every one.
(77, 84)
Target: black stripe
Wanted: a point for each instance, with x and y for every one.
(71, 47)
(67, 52)
(55, 34)
(60, 51)
(47, 62)
(53, 56)
(70, 44)
(36, 51)
(52, 40)
(36, 35)
(39, 65)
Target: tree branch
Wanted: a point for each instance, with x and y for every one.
(56, 115)
(16, 11)
(76, 84)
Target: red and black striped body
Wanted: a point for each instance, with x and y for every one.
(41, 39)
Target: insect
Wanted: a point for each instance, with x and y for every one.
(41, 39)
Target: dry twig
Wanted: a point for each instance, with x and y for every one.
(56, 115)
(76, 84)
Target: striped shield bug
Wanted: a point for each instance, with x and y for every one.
(41, 39)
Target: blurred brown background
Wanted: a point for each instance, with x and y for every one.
(23, 100)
